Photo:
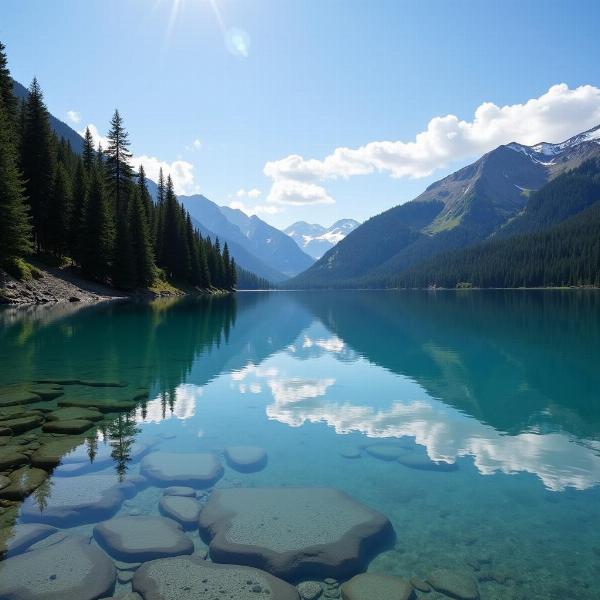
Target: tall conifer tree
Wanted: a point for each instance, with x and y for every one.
(88, 155)
(140, 241)
(118, 165)
(60, 208)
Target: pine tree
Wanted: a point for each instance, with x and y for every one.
(59, 213)
(98, 241)
(227, 275)
(172, 259)
(80, 196)
(88, 155)
(146, 199)
(123, 271)
(15, 228)
(118, 167)
(9, 100)
(159, 219)
(203, 273)
(140, 241)
(38, 160)
(233, 273)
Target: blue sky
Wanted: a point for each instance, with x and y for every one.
(224, 90)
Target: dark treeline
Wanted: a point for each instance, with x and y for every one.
(93, 209)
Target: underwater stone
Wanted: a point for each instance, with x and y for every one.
(199, 470)
(368, 586)
(51, 453)
(69, 427)
(351, 453)
(18, 397)
(104, 406)
(23, 424)
(420, 585)
(293, 533)
(140, 539)
(422, 462)
(4, 481)
(12, 457)
(387, 452)
(190, 578)
(181, 509)
(47, 392)
(310, 590)
(74, 501)
(71, 569)
(246, 459)
(72, 412)
(454, 584)
(17, 539)
(23, 481)
(180, 490)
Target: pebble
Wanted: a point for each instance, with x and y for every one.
(310, 590)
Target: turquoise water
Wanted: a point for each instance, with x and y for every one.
(502, 388)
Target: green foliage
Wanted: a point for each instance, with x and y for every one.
(60, 208)
(141, 246)
(118, 168)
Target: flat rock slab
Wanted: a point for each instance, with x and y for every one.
(184, 510)
(246, 459)
(51, 453)
(23, 424)
(368, 586)
(74, 501)
(47, 392)
(388, 452)
(102, 405)
(10, 456)
(70, 413)
(139, 539)
(18, 397)
(15, 540)
(23, 481)
(293, 533)
(454, 584)
(72, 569)
(199, 470)
(422, 462)
(69, 427)
(180, 490)
(191, 578)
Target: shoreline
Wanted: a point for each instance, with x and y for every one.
(53, 285)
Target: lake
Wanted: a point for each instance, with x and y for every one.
(469, 419)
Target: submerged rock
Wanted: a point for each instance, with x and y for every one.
(17, 397)
(102, 405)
(180, 490)
(351, 453)
(70, 413)
(191, 578)
(198, 470)
(454, 584)
(23, 481)
(293, 533)
(310, 590)
(420, 585)
(68, 426)
(50, 454)
(387, 452)
(17, 539)
(139, 539)
(47, 392)
(23, 424)
(422, 462)
(72, 569)
(74, 501)
(181, 509)
(371, 586)
(11, 456)
(246, 459)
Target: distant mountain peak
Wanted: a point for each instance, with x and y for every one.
(317, 239)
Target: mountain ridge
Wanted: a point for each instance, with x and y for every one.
(315, 239)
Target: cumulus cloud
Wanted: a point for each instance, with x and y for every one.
(197, 144)
(257, 209)
(73, 116)
(253, 193)
(298, 193)
(552, 117)
(181, 171)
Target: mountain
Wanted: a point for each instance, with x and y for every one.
(462, 209)
(210, 221)
(274, 255)
(269, 244)
(61, 129)
(554, 242)
(315, 239)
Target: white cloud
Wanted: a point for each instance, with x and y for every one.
(73, 116)
(253, 193)
(181, 171)
(197, 144)
(552, 117)
(298, 193)
(257, 209)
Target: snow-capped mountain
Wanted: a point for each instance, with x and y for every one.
(316, 239)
